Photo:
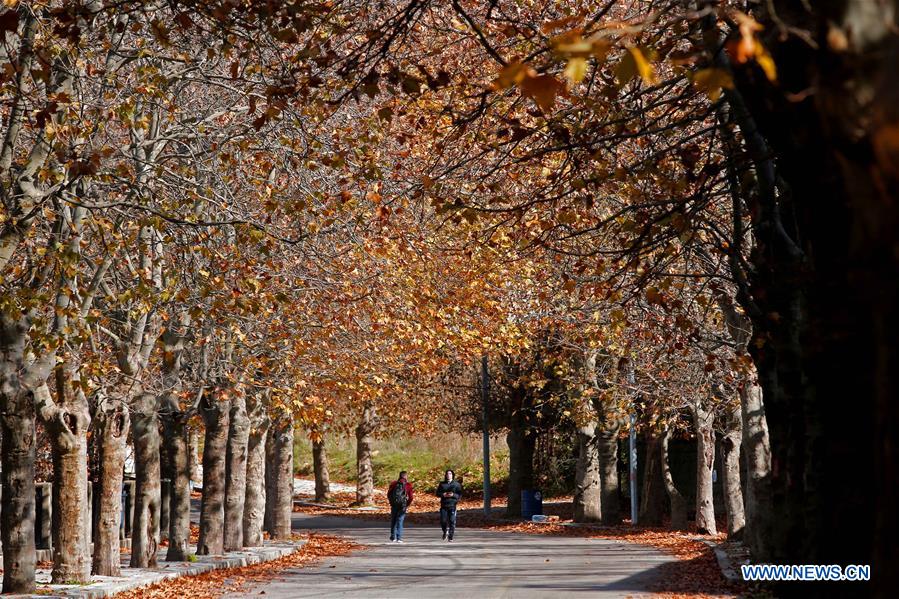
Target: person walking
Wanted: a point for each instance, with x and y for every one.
(450, 492)
(400, 497)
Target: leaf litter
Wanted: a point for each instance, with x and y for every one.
(216, 583)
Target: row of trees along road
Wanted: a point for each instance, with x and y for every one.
(249, 216)
(190, 242)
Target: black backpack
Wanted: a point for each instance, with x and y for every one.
(398, 497)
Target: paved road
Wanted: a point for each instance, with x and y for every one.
(477, 564)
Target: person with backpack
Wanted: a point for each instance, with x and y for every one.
(400, 497)
(450, 492)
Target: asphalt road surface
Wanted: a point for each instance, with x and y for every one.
(478, 563)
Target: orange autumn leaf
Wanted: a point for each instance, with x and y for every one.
(543, 89)
(747, 47)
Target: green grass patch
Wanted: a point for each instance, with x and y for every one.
(425, 459)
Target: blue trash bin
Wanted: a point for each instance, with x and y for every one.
(531, 503)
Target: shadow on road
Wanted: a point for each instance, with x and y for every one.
(534, 564)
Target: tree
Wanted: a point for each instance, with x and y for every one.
(587, 490)
(255, 500)
(813, 234)
(282, 471)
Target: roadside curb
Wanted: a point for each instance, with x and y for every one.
(132, 578)
(728, 568)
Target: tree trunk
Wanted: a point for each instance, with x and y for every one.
(758, 467)
(175, 441)
(17, 521)
(824, 286)
(212, 508)
(521, 466)
(365, 480)
(513, 502)
(175, 431)
(17, 455)
(112, 421)
(66, 423)
(703, 421)
(587, 482)
(236, 473)
(755, 445)
(521, 447)
(71, 512)
(678, 504)
(282, 469)
(270, 481)
(607, 439)
(587, 486)
(733, 489)
(607, 446)
(147, 500)
(254, 503)
(320, 469)
(652, 501)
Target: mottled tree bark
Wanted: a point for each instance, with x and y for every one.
(176, 441)
(71, 544)
(759, 520)
(733, 488)
(678, 504)
(175, 431)
(147, 496)
(254, 502)
(365, 480)
(703, 421)
(17, 523)
(236, 472)
(587, 489)
(587, 481)
(212, 509)
(607, 445)
(282, 470)
(755, 444)
(270, 481)
(26, 192)
(17, 451)
(112, 422)
(66, 423)
(320, 470)
(607, 438)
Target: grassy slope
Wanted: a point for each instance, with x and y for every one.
(424, 459)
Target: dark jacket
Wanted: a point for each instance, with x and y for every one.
(452, 487)
(408, 491)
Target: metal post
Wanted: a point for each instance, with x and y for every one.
(485, 394)
(632, 443)
(632, 439)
